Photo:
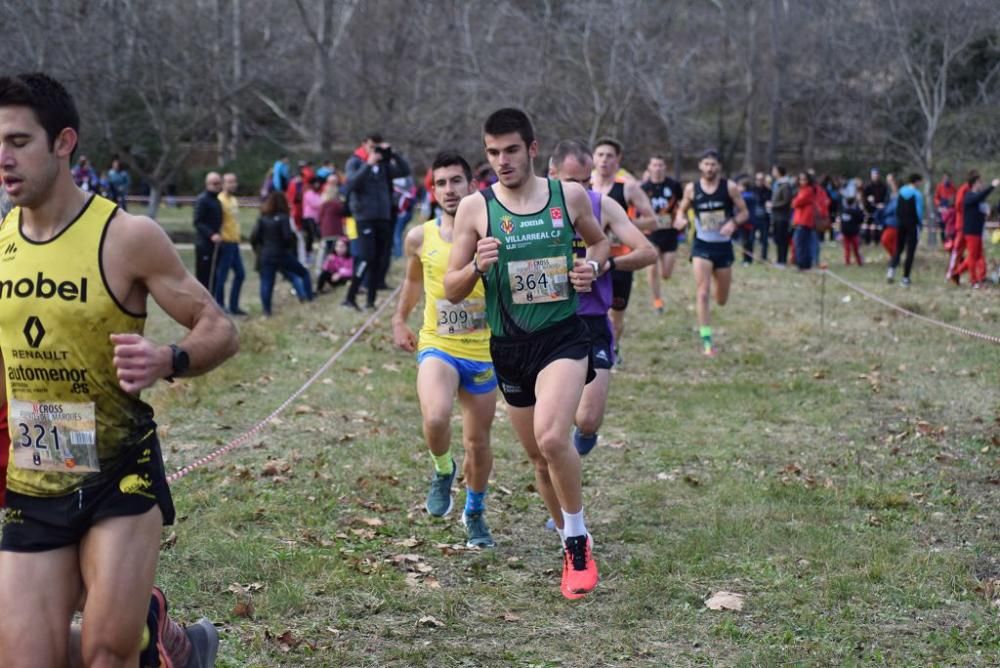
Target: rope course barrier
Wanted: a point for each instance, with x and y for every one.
(256, 429)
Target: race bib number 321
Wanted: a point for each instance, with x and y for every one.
(543, 279)
(55, 436)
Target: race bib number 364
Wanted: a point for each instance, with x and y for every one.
(540, 280)
(56, 436)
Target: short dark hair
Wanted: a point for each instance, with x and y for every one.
(914, 178)
(449, 158)
(507, 120)
(657, 156)
(51, 103)
(972, 177)
(570, 147)
(375, 137)
(613, 143)
(710, 153)
(274, 204)
(781, 170)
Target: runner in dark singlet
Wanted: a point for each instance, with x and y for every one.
(719, 211)
(664, 193)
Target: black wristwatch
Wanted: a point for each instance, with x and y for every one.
(181, 362)
(611, 263)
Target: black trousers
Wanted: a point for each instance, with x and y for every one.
(374, 246)
(781, 236)
(909, 235)
(204, 254)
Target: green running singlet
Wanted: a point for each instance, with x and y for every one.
(529, 288)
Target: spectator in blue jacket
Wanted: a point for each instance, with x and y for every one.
(909, 217)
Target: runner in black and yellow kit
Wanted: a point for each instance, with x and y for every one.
(519, 238)
(719, 210)
(453, 354)
(87, 495)
(626, 191)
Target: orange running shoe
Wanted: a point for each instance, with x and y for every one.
(579, 568)
(658, 305)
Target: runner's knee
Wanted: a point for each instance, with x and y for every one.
(588, 423)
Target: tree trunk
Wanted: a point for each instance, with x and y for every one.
(235, 113)
(750, 128)
(155, 195)
(777, 76)
(220, 116)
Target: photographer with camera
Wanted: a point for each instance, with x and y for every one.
(368, 186)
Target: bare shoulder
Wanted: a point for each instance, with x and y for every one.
(734, 190)
(414, 240)
(576, 197)
(472, 213)
(689, 190)
(127, 231)
(609, 205)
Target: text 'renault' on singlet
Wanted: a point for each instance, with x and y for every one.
(457, 329)
(528, 289)
(69, 418)
(711, 211)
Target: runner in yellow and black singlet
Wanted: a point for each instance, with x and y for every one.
(87, 494)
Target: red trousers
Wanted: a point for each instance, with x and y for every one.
(890, 236)
(851, 243)
(957, 258)
(4, 452)
(974, 263)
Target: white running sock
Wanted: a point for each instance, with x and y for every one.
(573, 524)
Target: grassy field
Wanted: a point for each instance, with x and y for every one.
(845, 480)
(178, 221)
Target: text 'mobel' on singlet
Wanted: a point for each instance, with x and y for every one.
(528, 289)
(711, 211)
(68, 416)
(457, 329)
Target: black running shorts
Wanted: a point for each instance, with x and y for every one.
(720, 254)
(602, 340)
(131, 486)
(664, 240)
(621, 289)
(518, 360)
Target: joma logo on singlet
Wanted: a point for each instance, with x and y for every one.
(10, 249)
(44, 288)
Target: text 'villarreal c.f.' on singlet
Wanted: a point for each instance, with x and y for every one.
(457, 329)
(529, 288)
(69, 418)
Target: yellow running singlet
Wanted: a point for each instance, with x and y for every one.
(457, 329)
(69, 419)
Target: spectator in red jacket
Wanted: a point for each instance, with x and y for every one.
(958, 245)
(806, 210)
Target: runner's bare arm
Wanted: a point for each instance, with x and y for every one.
(598, 247)
(412, 290)
(470, 248)
(642, 253)
(742, 214)
(146, 262)
(680, 219)
(645, 216)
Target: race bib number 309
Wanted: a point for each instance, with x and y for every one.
(540, 280)
(56, 436)
(464, 318)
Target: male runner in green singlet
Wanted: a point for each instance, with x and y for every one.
(518, 238)
(87, 492)
(453, 353)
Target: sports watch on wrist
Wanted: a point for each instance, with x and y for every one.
(180, 360)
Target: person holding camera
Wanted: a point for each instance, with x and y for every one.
(368, 186)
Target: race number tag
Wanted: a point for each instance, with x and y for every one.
(464, 318)
(712, 221)
(541, 280)
(664, 222)
(56, 436)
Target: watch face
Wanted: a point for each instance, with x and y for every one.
(181, 360)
